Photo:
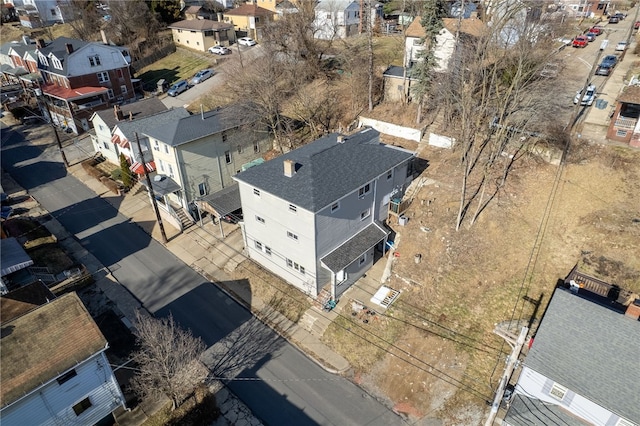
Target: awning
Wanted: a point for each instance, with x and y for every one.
(137, 167)
(72, 94)
(31, 77)
(18, 71)
(223, 202)
(12, 256)
(162, 185)
(352, 249)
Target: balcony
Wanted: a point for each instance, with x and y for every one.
(625, 123)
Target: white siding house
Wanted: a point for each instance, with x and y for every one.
(315, 215)
(336, 19)
(54, 369)
(582, 367)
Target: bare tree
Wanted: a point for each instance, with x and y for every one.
(131, 20)
(168, 359)
(494, 92)
(84, 18)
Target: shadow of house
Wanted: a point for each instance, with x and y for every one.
(625, 124)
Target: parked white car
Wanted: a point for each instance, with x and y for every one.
(246, 41)
(588, 97)
(621, 47)
(219, 50)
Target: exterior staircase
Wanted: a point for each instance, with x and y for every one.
(186, 221)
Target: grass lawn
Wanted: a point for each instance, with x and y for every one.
(172, 68)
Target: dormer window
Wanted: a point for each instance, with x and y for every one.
(94, 60)
(57, 63)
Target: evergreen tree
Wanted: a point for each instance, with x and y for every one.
(433, 13)
(125, 174)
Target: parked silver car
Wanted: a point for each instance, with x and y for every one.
(178, 87)
(201, 76)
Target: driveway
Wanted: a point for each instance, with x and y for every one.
(238, 53)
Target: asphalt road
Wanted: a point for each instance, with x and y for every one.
(283, 386)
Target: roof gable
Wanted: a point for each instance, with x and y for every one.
(128, 129)
(325, 169)
(590, 349)
(198, 126)
(45, 342)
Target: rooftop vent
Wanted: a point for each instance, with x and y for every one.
(340, 139)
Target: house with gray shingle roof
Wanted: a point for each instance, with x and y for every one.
(201, 34)
(582, 365)
(53, 366)
(202, 152)
(107, 136)
(315, 215)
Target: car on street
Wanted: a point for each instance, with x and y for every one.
(596, 30)
(580, 41)
(246, 41)
(614, 20)
(219, 50)
(591, 36)
(621, 47)
(607, 65)
(178, 87)
(588, 97)
(202, 76)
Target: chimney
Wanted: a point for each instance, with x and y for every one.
(104, 37)
(69, 48)
(633, 310)
(130, 116)
(219, 15)
(26, 40)
(40, 43)
(289, 168)
(340, 138)
(118, 112)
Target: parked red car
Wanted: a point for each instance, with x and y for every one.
(596, 30)
(580, 41)
(636, 25)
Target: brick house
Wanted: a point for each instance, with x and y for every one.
(625, 123)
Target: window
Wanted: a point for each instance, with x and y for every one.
(57, 63)
(267, 250)
(558, 391)
(256, 192)
(260, 219)
(166, 148)
(101, 127)
(227, 157)
(123, 89)
(365, 214)
(94, 60)
(341, 276)
(293, 208)
(335, 206)
(292, 235)
(202, 189)
(256, 147)
(362, 259)
(364, 190)
(106, 145)
(257, 19)
(259, 245)
(67, 376)
(224, 137)
(53, 12)
(82, 406)
(293, 265)
(161, 165)
(389, 174)
(110, 94)
(156, 146)
(621, 133)
(170, 170)
(103, 77)
(239, 149)
(119, 73)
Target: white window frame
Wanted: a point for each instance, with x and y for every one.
(560, 391)
(156, 146)
(166, 148)
(202, 188)
(94, 60)
(335, 206)
(256, 192)
(267, 250)
(293, 208)
(258, 245)
(364, 190)
(292, 235)
(227, 157)
(296, 266)
(123, 89)
(365, 214)
(103, 77)
(110, 94)
(260, 220)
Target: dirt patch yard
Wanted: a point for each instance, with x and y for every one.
(437, 356)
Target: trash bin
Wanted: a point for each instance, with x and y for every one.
(402, 220)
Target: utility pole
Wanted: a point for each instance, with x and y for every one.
(38, 92)
(151, 194)
(369, 23)
(516, 347)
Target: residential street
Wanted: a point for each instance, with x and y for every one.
(284, 386)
